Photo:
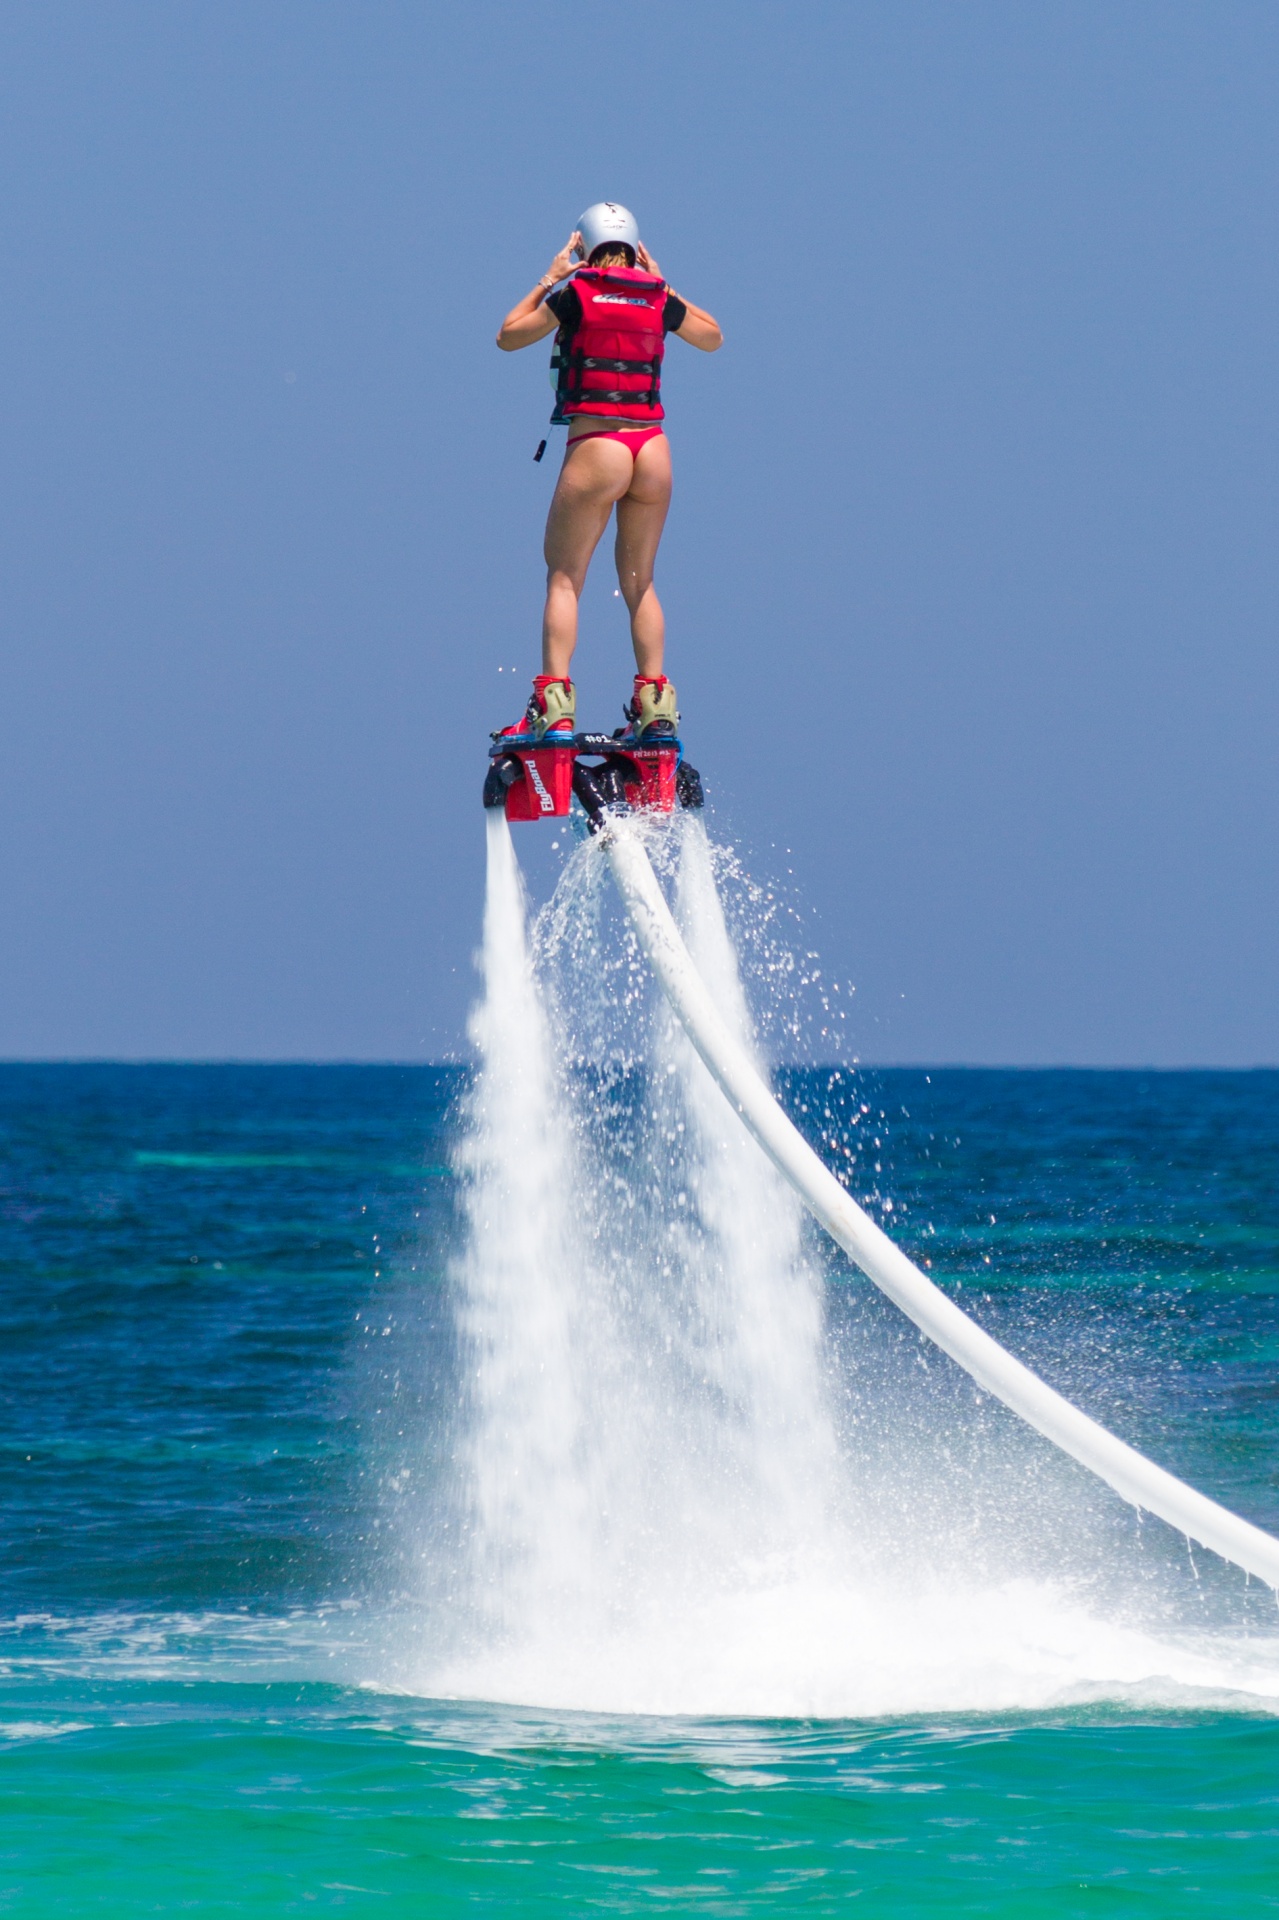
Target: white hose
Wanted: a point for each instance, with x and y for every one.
(1139, 1480)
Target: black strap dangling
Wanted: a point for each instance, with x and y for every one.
(541, 449)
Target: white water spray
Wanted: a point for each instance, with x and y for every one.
(649, 1433)
(677, 1503)
(759, 1293)
(526, 1515)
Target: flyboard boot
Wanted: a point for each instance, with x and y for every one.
(537, 766)
(552, 708)
(651, 742)
(531, 764)
(651, 713)
(646, 759)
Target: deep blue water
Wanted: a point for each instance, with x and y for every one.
(225, 1329)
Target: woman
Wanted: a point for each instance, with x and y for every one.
(613, 313)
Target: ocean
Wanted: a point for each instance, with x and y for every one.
(661, 1568)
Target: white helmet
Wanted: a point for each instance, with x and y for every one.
(607, 224)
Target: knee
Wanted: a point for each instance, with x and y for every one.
(635, 583)
(558, 581)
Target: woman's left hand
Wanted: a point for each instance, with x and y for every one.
(647, 261)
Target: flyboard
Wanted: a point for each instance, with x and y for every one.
(539, 779)
(610, 777)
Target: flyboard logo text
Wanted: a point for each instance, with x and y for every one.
(617, 300)
(544, 799)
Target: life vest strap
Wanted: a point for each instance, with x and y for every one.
(589, 364)
(576, 364)
(645, 397)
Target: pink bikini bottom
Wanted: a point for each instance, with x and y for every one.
(632, 438)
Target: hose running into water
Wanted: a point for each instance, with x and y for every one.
(1139, 1481)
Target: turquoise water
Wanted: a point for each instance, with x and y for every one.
(228, 1428)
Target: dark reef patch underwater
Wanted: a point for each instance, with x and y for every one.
(235, 1554)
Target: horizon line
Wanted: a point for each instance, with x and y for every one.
(459, 1063)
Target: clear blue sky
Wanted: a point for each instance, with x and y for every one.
(971, 577)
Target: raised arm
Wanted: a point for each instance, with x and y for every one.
(529, 320)
(699, 328)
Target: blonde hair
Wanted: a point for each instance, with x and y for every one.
(612, 254)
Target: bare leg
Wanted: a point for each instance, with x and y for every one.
(641, 515)
(595, 475)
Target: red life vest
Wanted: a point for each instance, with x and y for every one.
(611, 363)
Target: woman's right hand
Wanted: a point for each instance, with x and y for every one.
(564, 263)
(530, 319)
